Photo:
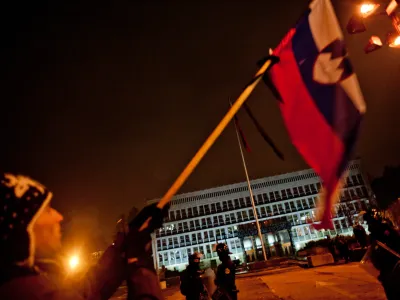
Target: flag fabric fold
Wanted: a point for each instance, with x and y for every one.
(261, 130)
(322, 104)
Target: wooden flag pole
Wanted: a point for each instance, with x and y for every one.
(211, 139)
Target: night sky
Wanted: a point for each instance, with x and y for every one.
(105, 104)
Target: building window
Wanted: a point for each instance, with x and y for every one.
(360, 179)
(219, 207)
(183, 213)
(280, 208)
(236, 202)
(262, 210)
(194, 241)
(242, 204)
(224, 206)
(277, 196)
(197, 223)
(215, 220)
(195, 212)
(301, 191)
(233, 220)
(213, 210)
(238, 246)
(268, 208)
(221, 220)
(248, 202)
(274, 210)
(271, 196)
(245, 216)
(287, 207)
(293, 206)
(207, 209)
(227, 219)
(233, 245)
(304, 203)
(201, 210)
(318, 186)
(199, 238)
(296, 219)
(308, 190)
(209, 223)
(230, 204)
(265, 196)
(190, 214)
(251, 214)
(206, 236)
(230, 232)
(295, 192)
(203, 223)
(176, 244)
(170, 245)
(289, 193)
(172, 215)
(260, 199)
(239, 216)
(211, 232)
(158, 245)
(284, 196)
(192, 225)
(182, 240)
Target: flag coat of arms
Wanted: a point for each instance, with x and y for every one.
(322, 104)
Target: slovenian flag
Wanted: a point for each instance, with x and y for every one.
(322, 104)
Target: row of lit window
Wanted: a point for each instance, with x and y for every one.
(309, 189)
(245, 215)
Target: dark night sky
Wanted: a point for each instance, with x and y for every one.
(106, 104)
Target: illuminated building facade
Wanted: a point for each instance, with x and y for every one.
(198, 220)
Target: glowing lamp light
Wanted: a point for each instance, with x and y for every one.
(368, 9)
(73, 262)
(374, 43)
(390, 9)
(355, 25)
(393, 40)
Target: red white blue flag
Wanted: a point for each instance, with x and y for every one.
(322, 104)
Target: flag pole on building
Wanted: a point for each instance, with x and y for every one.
(251, 193)
(213, 136)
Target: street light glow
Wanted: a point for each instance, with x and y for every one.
(374, 43)
(368, 9)
(73, 262)
(395, 43)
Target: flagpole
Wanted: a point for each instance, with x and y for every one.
(211, 139)
(251, 195)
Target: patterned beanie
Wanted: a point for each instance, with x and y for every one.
(21, 202)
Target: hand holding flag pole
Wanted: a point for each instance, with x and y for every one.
(213, 136)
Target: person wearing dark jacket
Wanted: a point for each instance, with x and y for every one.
(30, 237)
(225, 278)
(191, 284)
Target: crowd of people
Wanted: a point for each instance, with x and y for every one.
(30, 243)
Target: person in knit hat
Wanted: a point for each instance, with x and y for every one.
(30, 229)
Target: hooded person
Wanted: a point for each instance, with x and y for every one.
(191, 283)
(225, 278)
(30, 234)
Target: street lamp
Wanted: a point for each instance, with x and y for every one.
(369, 9)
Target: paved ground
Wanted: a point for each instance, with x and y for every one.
(325, 283)
(331, 282)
